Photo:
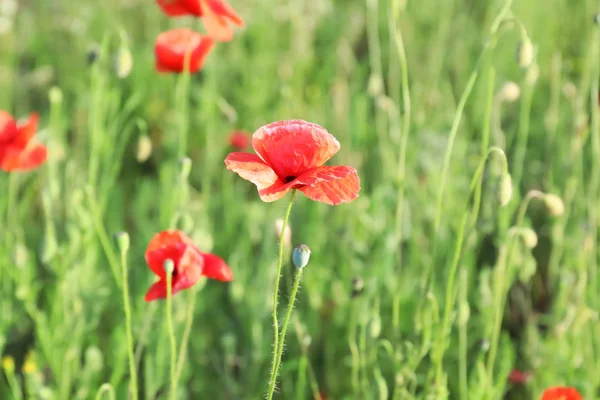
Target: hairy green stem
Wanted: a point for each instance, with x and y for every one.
(127, 308)
(286, 322)
(273, 376)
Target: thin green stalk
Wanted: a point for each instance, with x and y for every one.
(463, 382)
(460, 109)
(354, 351)
(171, 329)
(103, 237)
(106, 388)
(186, 334)
(127, 307)
(182, 101)
(286, 322)
(523, 132)
(301, 385)
(485, 134)
(273, 376)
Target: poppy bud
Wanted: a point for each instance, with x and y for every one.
(554, 204)
(144, 149)
(597, 19)
(287, 235)
(8, 364)
(94, 360)
(169, 266)
(569, 90)
(123, 62)
(530, 238)
(55, 95)
(301, 256)
(525, 52)
(122, 241)
(92, 55)
(464, 312)
(375, 327)
(505, 193)
(185, 167)
(510, 92)
(358, 285)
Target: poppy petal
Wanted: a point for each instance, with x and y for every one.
(293, 147)
(216, 268)
(274, 192)
(217, 27)
(252, 168)
(15, 158)
(172, 47)
(561, 393)
(27, 130)
(223, 9)
(177, 8)
(8, 127)
(170, 244)
(158, 290)
(331, 185)
(189, 269)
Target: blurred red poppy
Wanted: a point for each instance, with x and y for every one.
(218, 15)
(189, 262)
(172, 47)
(291, 155)
(519, 377)
(239, 140)
(561, 393)
(19, 149)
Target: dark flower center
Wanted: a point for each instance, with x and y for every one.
(288, 179)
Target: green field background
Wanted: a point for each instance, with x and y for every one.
(417, 92)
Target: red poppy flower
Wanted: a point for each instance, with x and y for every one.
(239, 140)
(218, 15)
(291, 155)
(190, 263)
(561, 393)
(172, 47)
(519, 377)
(19, 150)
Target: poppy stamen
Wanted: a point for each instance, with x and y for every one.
(288, 179)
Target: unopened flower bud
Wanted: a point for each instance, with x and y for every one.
(464, 312)
(525, 53)
(510, 92)
(358, 286)
(122, 241)
(505, 193)
(169, 266)
(287, 235)
(55, 95)
(123, 62)
(94, 360)
(301, 256)
(185, 167)
(554, 204)
(375, 327)
(8, 364)
(530, 238)
(144, 148)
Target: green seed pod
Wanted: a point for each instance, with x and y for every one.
(530, 238)
(122, 241)
(554, 204)
(123, 61)
(505, 193)
(525, 53)
(169, 266)
(55, 95)
(375, 327)
(144, 149)
(301, 256)
(94, 360)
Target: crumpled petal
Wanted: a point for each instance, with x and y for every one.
(216, 268)
(170, 244)
(333, 185)
(252, 168)
(330, 185)
(294, 147)
(8, 127)
(27, 131)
